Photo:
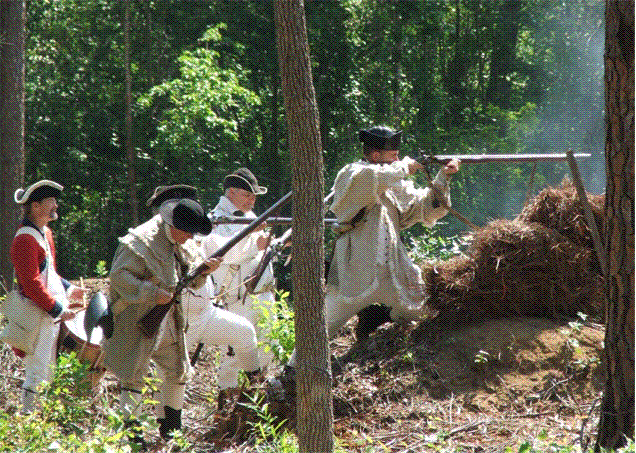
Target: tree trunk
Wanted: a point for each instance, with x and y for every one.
(617, 409)
(314, 406)
(130, 151)
(503, 60)
(12, 24)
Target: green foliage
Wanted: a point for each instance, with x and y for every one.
(66, 421)
(269, 433)
(101, 270)
(482, 357)
(81, 234)
(66, 398)
(276, 322)
(207, 99)
(543, 444)
(267, 429)
(433, 245)
(206, 105)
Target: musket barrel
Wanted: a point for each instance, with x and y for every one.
(252, 225)
(483, 158)
(270, 220)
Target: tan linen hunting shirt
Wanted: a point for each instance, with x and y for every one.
(145, 261)
(391, 204)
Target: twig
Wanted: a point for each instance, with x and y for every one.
(552, 389)
(6, 376)
(584, 422)
(532, 414)
(463, 428)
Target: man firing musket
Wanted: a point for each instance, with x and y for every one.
(374, 200)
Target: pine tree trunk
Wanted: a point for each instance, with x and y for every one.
(617, 409)
(12, 24)
(314, 407)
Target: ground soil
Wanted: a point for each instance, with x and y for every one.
(477, 388)
(435, 386)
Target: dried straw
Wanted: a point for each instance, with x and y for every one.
(559, 208)
(540, 264)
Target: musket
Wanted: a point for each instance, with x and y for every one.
(427, 157)
(233, 220)
(149, 324)
(276, 247)
(273, 249)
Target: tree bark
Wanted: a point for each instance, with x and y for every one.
(314, 406)
(12, 25)
(130, 151)
(617, 409)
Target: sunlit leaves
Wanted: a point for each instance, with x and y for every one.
(206, 104)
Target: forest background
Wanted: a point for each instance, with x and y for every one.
(457, 76)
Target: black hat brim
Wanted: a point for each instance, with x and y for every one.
(186, 215)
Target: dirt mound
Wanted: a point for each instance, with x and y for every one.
(476, 384)
(438, 387)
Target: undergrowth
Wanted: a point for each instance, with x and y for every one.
(276, 322)
(66, 420)
(71, 418)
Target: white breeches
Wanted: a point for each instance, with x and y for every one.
(224, 328)
(170, 394)
(38, 367)
(251, 311)
(339, 311)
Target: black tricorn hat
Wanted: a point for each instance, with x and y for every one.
(380, 137)
(177, 191)
(38, 191)
(186, 215)
(244, 179)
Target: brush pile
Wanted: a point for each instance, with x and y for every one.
(541, 264)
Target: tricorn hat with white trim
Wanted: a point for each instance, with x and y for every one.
(37, 192)
(244, 179)
(177, 191)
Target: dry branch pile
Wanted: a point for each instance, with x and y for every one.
(560, 209)
(540, 264)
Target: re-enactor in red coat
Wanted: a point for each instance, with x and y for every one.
(33, 258)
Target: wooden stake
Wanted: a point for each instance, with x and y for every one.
(591, 221)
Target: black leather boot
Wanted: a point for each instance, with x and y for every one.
(171, 422)
(370, 318)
